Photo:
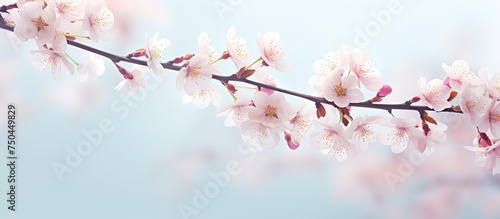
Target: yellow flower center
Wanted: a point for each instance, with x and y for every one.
(340, 90)
(270, 111)
(39, 23)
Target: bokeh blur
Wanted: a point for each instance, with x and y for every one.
(161, 158)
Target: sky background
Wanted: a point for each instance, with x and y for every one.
(160, 152)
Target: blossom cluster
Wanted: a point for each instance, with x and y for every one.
(326, 119)
(51, 23)
(264, 116)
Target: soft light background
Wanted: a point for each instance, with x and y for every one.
(163, 150)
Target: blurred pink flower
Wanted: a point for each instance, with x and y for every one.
(474, 102)
(366, 73)
(491, 81)
(97, 20)
(491, 120)
(401, 133)
(70, 10)
(301, 125)
(132, 85)
(272, 51)
(459, 73)
(331, 139)
(204, 97)
(91, 68)
(56, 61)
(259, 136)
(236, 113)
(237, 48)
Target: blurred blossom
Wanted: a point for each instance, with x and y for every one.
(74, 97)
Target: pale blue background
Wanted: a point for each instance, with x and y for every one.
(136, 171)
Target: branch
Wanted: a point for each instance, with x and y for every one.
(171, 66)
(114, 58)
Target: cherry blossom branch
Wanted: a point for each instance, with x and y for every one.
(225, 79)
(315, 99)
(262, 118)
(114, 58)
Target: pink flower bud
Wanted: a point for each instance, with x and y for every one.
(231, 88)
(126, 74)
(290, 142)
(320, 110)
(384, 91)
(187, 57)
(345, 121)
(415, 99)
(484, 140)
(426, 128)
(178, 60)
(225, 55)
(138, 53)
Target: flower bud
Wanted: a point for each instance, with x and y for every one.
(225, 55)
(415, 99)
(138, 53)
(384, 91)
(289, 141)
(484, 140)
(231, 88)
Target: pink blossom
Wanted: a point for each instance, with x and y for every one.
(265, 77)
(401, 133)
(436, 136)
(205, 48)
(271, 110)
(237, 48)
(59, 41)
(341, 91)
(272, 51)
(491, 120)
(327, 65)
(236, 113)
(204, 97)
(56, 61)
(474, 102)
(384, 90)
(301, 125)
(35, 21)
(487, 157)
(434, 94)
(364, 70)
(458, 74)
(20, 3)
(70, 10)
(155, 52)
(330, 139)
(259, 136)
(491, 81)
(91, 68)
(97, 20)
(196, 75)
(136, 82)
(362, 131)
